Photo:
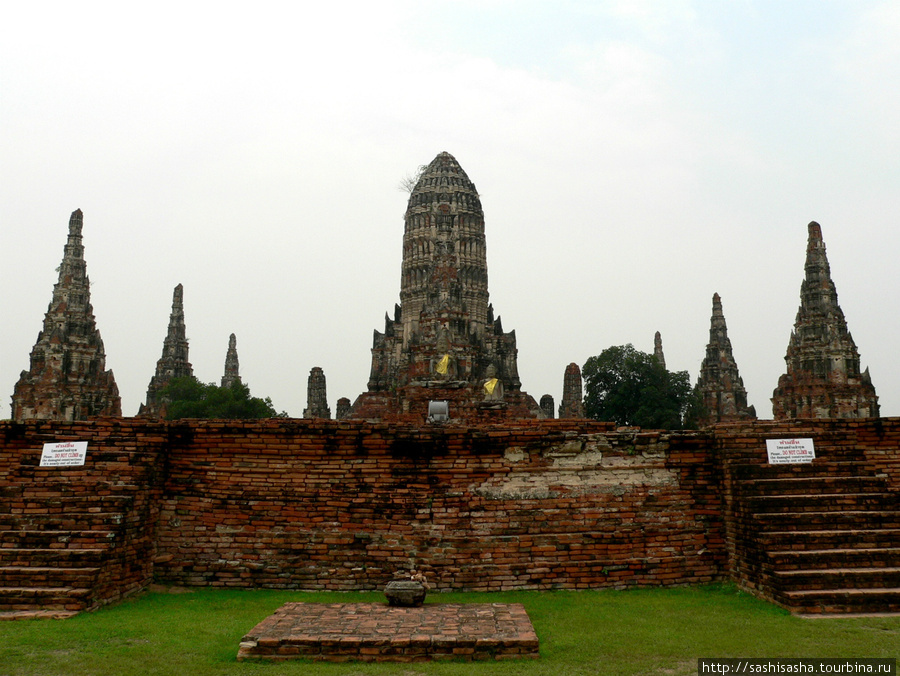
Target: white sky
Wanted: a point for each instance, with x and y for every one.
(632, 157)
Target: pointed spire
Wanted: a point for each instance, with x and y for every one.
(823, 378)
(658, 349)
(719, 384)
(67, 379)
(572, 405)
(232, 367)
(174, 360)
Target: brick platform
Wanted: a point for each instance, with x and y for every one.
(376, 632)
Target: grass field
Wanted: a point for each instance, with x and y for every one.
(647, 631)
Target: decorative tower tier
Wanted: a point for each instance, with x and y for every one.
(720, 386)
(444, 342)
(67, 379)
(823, 379)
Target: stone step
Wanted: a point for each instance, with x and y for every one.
(819, 559)
(827, 520)
(817, 468)
(807, 485)
(43, 598)
(820, 502)
(64, 521)
(83, 501)
(837, 578)
(842, 601)
(47, 576)
(15, 556)
(57, 539)
(829, 539)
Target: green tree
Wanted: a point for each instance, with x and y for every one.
(630, 387)
(189, 398)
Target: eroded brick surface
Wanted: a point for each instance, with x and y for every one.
(375, 632)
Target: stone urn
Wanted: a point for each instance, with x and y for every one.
(405, 593)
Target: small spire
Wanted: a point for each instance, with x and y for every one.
(232, 367)
(658, 349)
(174, 360)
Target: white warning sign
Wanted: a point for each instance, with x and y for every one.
(64, 454)
(787, 451)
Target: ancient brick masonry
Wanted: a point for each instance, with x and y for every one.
(823, 378)
(327, 505)
(174, 360)
(342, 505)
(720, 385)
(444, 342)
(67, 378)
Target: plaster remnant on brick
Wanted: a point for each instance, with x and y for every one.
(515, 454)
(583, 459)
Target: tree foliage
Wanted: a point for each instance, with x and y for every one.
(630, 387)
(187, 397)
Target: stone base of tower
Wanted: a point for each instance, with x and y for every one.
(467, 404)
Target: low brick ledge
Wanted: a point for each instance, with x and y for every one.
(376, 632)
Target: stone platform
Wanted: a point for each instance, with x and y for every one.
(376, 632)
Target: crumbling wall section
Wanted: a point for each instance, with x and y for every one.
(343, 505)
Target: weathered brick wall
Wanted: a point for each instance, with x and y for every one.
(342, 505)
(109, 504)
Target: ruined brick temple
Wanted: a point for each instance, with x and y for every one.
(823, 378)
(67, 378)
(444, 342)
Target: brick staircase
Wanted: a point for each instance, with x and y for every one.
(73, 539)
(819, 538)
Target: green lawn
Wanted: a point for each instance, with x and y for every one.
(648, 631)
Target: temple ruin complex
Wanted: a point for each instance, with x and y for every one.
(67, 377)
(823, 378)
(444, 342)
(720, 386)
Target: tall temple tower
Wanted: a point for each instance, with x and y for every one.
(823, 379)
(720, 386)
(68, 379)
(174, 360)
(444, 342)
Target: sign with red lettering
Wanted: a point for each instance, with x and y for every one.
(788, 451)
(64, 454)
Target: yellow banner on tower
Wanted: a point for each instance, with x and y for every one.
(443, 365)
(490, 385)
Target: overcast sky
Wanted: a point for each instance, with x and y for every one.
(632, 158)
